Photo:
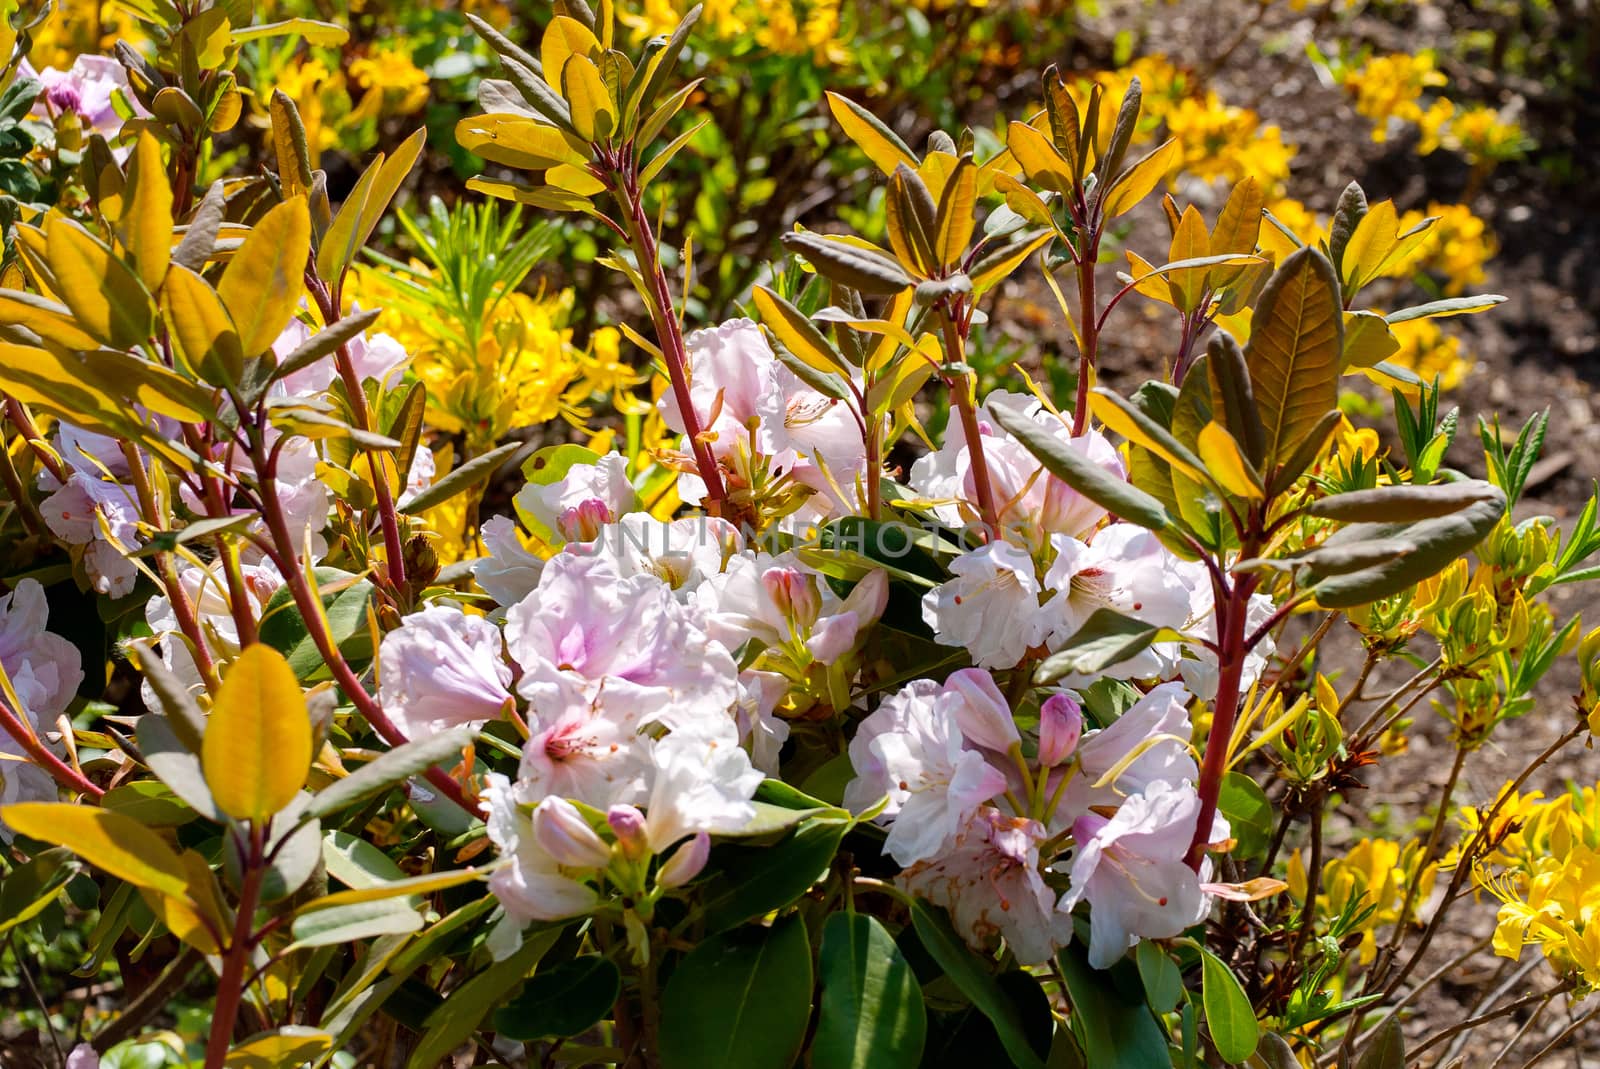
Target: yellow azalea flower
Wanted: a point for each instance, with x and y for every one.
(392, 84)
(1391, 87)
(1429, 352)
(76, 27)
(1369, 883)
(1457, 247)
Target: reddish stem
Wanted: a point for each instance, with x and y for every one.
(230, 984)
(960, 397)
(1089, 342)
(670, 333)
(1231, 649)
(35, 748)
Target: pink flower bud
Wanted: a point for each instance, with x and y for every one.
(582, 522)
(629, 826)
(982, 712)
(795, 593)
(686, 861)
(1060, 725)
(567, 837)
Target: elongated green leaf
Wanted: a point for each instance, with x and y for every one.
(1232, 397)
(1163, 983)
(872, 273)
(753, 880)
(176, 765)
(1296, 339)
(882, 145)
(1387, 1049)
(1397, 504)
(1438, 542)
(1089, 479)
(564, 1001)
(1106, 638)
(353, 921)
(105, 295)
(739, 1000)
(972, 976)
(797, 333)
(1229, 1016)
(389, 769)
(459, 1015)
(1109, 1015)
(872, 1015)
(325, 341)
(201, 332)
(1449, 306)
(461, 479)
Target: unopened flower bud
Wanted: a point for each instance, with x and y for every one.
(584, 521)
(567, 837)
(686, 862)
(982, 713)
(1060, 726)
(795, 593)
(629, 826)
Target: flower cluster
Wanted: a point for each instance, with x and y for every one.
(39, 674)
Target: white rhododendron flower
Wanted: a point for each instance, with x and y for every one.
(1131, 870)
(535, 886)
(989, 880)
(991, 607)
(586, 498)
(443, 668)
(911, 751)
(509, 573)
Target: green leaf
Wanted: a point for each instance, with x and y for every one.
(565, 1001)
(1232, 398)
(1296, 339)
(176, 765)
(881, 144)
(311, 31)
(345, 604)
(1387, 1050)
(1449, 306)
(1163, 983)
(1395, 504)
(739, 1000)
(751, 881)
(325, 341)
(973, 977)
(1110, 1016)
(30, 887)
(106, 297)
(1088, 478)
(1438, 541)
(1249, 814)
(1106, 638)
(1229, 1016)
(460, 1014)
(872, 1015)
(257, 746)
(389, 769)
(796, 333)
(869, 271)
(357, 920)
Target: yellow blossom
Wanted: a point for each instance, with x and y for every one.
(392, 84)
(1390, 88)
(1431, 353)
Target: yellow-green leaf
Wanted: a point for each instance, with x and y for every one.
(594, 115)
(146, 224)
(1237, 228)
(257, 747)
(1368, 341)
(201, 331)
(564, 38)
(289, 1046)
(1120, 418)
(1226, 462)
(1296, 338)
(365, 205)
(1141, 178)
(264, 281)
(882, 146)
(519, 141)
(1370, 245)
(1190, 242)
(105, 296)
(797, 333)
(46, 318)
(1039, 158)
(957, 213)
(108, 840)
